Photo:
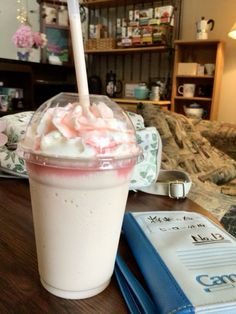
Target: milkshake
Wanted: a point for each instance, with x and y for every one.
(79, 165)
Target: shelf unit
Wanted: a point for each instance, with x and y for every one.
(131, 64)
(200, 52)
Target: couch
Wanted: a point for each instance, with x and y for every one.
(195, 147)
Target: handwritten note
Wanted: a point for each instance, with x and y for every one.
(200, 255)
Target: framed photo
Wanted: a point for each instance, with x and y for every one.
(58, 43)
(54, 22)
(63, 18)
(129, 89)
(50, 14)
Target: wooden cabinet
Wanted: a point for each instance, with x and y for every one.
(150, 63)
(38, 82)
(207, 85)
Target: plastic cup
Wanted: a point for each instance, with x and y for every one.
(78, 196)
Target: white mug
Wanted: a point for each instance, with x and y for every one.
(210, 68)
(187, 90)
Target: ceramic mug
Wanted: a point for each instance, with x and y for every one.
(187, 90)
(210, 68)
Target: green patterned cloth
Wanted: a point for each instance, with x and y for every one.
(15, 130)
(145, 171)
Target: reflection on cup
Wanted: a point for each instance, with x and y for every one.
(4, 103)
(187, 90)
(210, 68)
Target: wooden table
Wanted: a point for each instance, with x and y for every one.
(20, 288)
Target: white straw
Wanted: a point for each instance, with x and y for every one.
(78, 52)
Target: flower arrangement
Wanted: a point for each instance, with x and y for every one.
(39, 40)
(24, 37)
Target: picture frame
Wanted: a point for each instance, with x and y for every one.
(54, 23)
(63, 17)
(50, 14)
(128, 90)
(58, 43)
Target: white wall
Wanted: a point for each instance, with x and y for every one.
(9, 24)
(224, 14)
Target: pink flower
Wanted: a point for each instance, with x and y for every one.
(39, 39)
(3, 137)
(53, 48)
(23, 37)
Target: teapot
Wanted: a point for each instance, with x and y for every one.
(203, 27)
(95, 85)
(141, 91)
(112, 85)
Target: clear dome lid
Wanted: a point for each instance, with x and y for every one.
(62, 131)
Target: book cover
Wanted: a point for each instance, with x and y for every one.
(187, 261)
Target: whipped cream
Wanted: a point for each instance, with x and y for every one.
(69, 132)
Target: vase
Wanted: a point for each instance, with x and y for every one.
(23, 54)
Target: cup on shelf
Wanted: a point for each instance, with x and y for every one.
(210, 68)
(155, 93)
(4, 103)
(187, 90)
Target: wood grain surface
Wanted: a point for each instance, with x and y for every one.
(20, 288)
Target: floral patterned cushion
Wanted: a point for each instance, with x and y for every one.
(12, 129)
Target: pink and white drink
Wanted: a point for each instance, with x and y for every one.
(79, 169)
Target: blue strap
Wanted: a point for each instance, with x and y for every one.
(136, 298)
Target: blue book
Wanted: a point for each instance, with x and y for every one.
(187, 261)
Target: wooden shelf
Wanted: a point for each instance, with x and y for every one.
(141, 101)
(56, 83)
(108, 3)
(194, 98)
(129, 50)
(197, 42)
(59, 2)
(196, 76)
(133, 104)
